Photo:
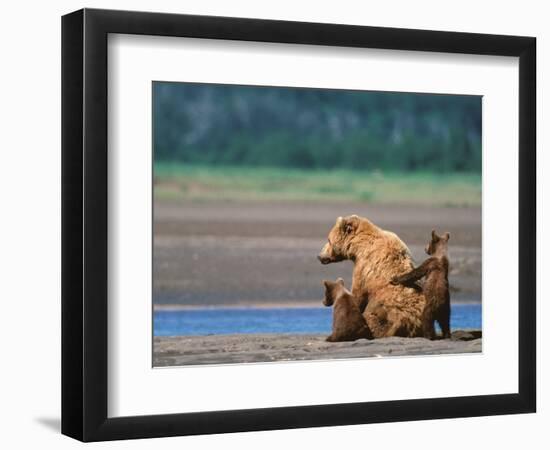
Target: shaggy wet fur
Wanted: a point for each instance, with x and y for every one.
(347, 322)
(436, 286)
(378, 256)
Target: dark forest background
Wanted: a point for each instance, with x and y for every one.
(227, 125)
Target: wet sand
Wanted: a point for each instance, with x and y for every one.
(247, 348)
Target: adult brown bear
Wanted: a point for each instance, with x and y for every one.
(378, 256)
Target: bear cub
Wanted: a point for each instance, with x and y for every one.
(348, 324)
(436, 286)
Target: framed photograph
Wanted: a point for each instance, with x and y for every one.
(272, 224)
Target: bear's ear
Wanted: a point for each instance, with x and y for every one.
(327, 284)
(447, 236)
(350, 224)
(340, 281)
(435, 237)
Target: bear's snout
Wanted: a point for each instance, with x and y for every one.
(324, 258)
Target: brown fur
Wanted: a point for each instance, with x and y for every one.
(347, 322)
(436, 286)
(378, 256)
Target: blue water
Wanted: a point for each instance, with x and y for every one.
(273, 320)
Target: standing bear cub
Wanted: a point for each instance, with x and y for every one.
(348, 324)
(436, 286)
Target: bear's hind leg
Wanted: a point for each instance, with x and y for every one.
(397, 329)
(364, 333)
(429, 330)
(428, 324)
(444, 321)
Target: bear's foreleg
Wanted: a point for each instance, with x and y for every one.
(414, 275)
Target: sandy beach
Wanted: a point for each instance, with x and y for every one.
(246, 348)
(214, 254)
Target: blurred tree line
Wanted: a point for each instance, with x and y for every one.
(315, 128)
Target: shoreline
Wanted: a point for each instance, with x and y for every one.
(255, 348)
(264, 305)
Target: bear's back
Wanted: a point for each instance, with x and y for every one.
(392, 310)
(348, 322)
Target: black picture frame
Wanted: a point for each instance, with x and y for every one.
(84, 224)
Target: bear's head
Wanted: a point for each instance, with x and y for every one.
(333, 291)
(339, 239)
(438, 244)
